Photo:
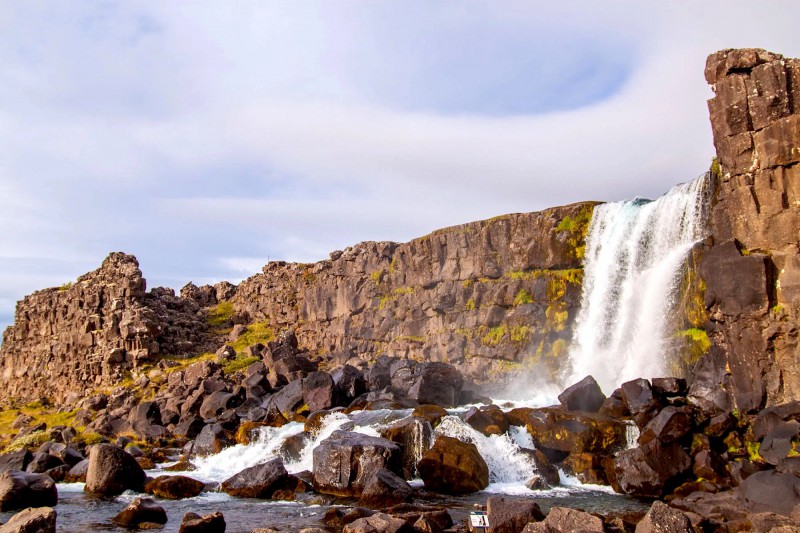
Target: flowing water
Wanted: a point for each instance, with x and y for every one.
(635, 252)
(509, 470)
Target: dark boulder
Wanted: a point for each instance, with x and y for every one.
(710, 390)
(648, 471)
(778, 443)
(661, 518)
(15, 460)
(710, 466)
(146, 413)
(32, 520)
(42, 462)
(77, 474)
(174, 487)
(563, 431)
(586, 467)
(112, 471)
(345, 461)
(350, 384)
(584, 395)
(189, 427)
(669, 425)
(218, 402)
(141, 511)
(413, 435)
(642, 403)
(210, 523)
(378, 523)
(259, 481)
(668, 388)
(384, 489)
(212, 439)
(289, 400)
(431, 382)
(318, 391)
(771, 491)
(564, 520)
(433, 413)
(544, 468)
(19, 490)
(489, 420)
(453, 467)
(509, 515)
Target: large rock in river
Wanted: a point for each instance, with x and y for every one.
(112, 471)
(259, 481)
(32, 520)
(453, 467)
(19, 490)
(174, 487)
(556, 429)
(345, 461)
(584, 395)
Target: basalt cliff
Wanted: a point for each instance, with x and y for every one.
(488, 297)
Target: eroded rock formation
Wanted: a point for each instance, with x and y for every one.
(752, 272)
(88, 333)
(485, 296)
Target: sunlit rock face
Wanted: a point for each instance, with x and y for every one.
(752, 273)
(488, 297)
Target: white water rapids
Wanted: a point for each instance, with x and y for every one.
(635, 251)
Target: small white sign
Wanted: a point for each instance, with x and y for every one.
(478, 519)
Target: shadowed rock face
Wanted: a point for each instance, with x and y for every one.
(752, 272)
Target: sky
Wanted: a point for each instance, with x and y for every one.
(207, 138)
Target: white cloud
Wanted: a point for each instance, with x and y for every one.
(202, 140)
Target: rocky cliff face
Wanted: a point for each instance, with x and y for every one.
(485, 296)
(752, 272)
(89, 333)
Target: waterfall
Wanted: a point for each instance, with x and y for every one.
(635, 251)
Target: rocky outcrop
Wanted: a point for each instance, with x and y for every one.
(486, 296)
(88, 333)
(752, 272)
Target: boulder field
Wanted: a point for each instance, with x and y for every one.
(704, 465)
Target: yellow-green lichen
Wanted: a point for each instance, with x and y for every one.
(523, 297)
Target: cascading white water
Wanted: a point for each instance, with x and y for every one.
(634, 253)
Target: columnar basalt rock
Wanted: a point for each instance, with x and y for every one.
(88, 333)
(486, 296)
(752, 273)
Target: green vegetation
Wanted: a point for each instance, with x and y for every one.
(777, 310)
(392, 266)
(568, 275)
(240, 363)
(309, 277)
(471, 304)
(753, 452)
(716, 169)
(577, 227)
(36, 438)
(377, 277)
(404, 290)
(411, 338)
(495, 335)
(65, 287)
(523, 297)
(467, 283)
(385, 300)
(220, 315)
(698, 343)
(520, 333)
(256, 332)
